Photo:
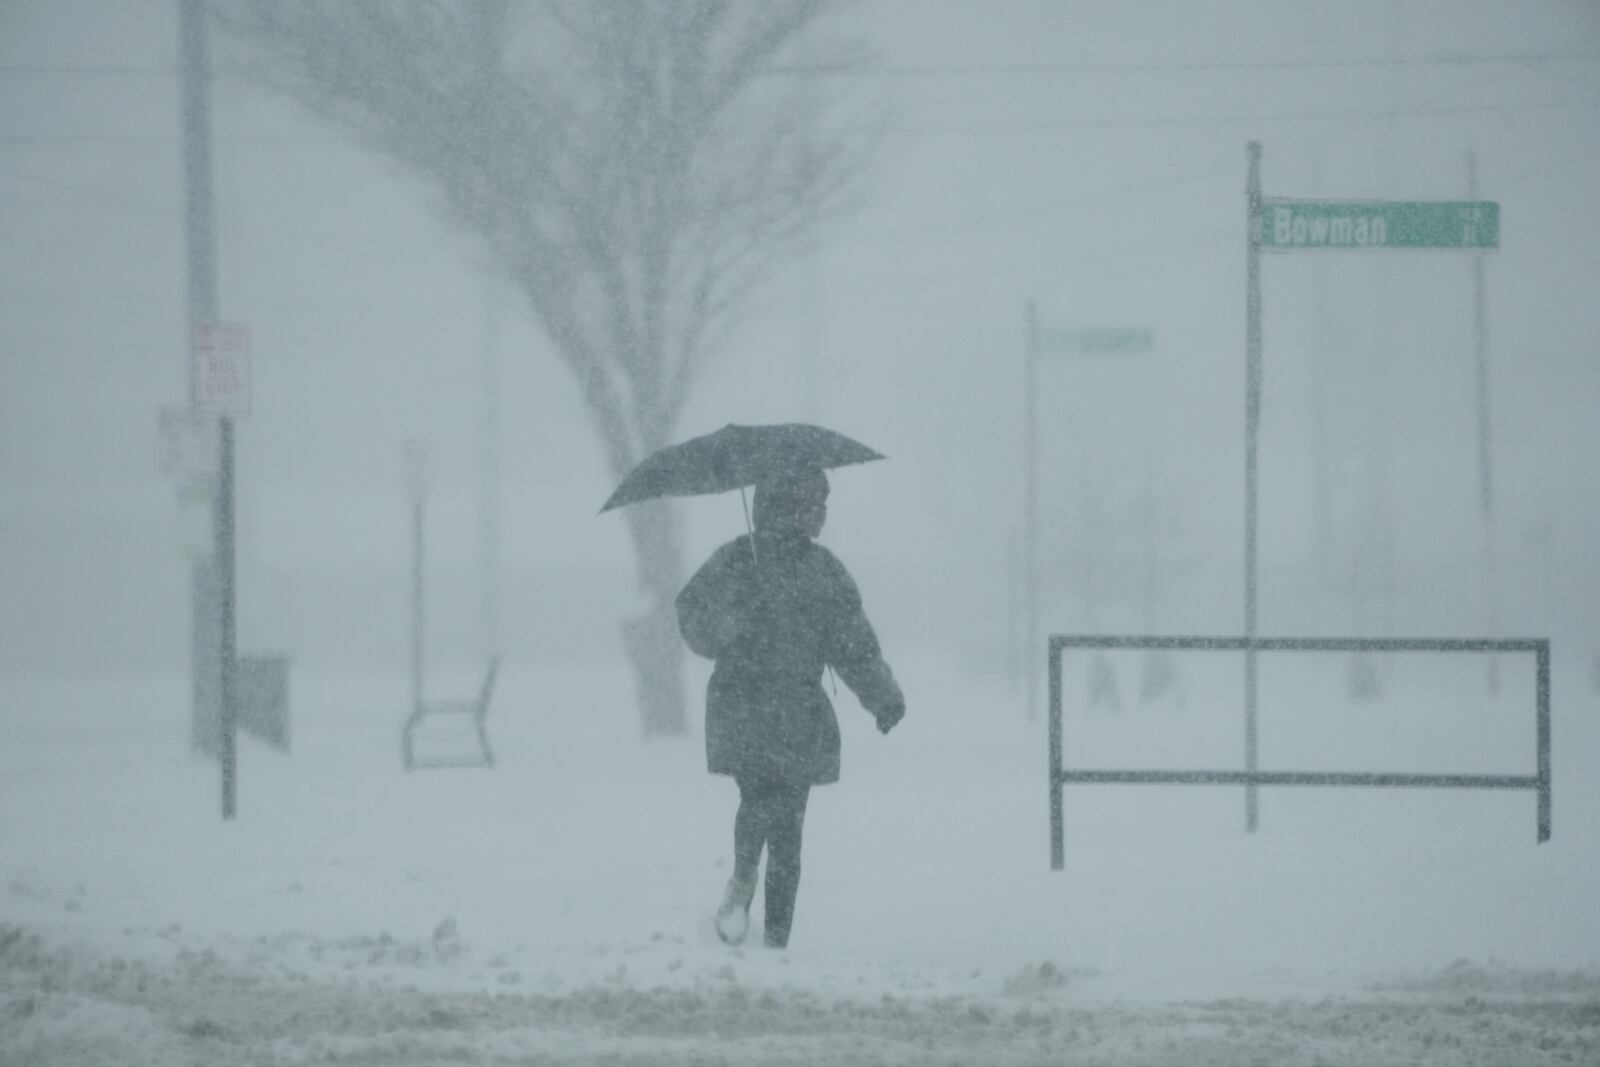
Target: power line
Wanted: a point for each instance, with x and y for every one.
(1046, 125)
(63, 68)
(171, 138)
(1042, 126)
(965, 70)
(125, 203)
(994, 70)
(1553, 168)
(165, 213)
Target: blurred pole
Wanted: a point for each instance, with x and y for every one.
(199, 210)
(489, 475)
(416, 602)
(416, 483)
(1252, 426)
(201, 247)
(1030, 508)
(1321, 373)
(489, 430)
(1014, 659)
(1397, 38)
(229, 660)
(1480, 351)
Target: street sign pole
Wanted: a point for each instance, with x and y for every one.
(230, 663)
(1252, 428)
(1480, 351)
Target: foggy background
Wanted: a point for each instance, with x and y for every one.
(1088, 157)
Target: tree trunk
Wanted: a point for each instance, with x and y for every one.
(654, 649)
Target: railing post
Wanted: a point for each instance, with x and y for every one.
(1542, 656)
(1057, 842)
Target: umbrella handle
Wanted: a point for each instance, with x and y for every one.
(748, 527)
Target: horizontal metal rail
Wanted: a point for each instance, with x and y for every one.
(1299, 644)
(1060, 775)
(1359, 778)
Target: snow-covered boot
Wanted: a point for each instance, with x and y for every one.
(733, 916)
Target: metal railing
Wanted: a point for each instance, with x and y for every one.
(1251, 776)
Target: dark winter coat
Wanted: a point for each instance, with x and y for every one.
(772, 619)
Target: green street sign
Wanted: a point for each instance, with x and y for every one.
(1302, 224)
(1109, 340)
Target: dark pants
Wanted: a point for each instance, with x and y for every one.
(773, 814)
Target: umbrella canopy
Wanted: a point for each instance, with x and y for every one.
(735, 457)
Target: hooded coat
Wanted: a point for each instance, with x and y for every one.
(773, 608)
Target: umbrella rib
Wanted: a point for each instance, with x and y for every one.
(754, 555)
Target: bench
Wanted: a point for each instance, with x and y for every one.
(468, 717)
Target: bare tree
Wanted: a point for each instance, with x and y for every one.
(637, 168)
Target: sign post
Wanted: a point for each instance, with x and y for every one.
(1480, 351)
(222, 391)
(1252, 427)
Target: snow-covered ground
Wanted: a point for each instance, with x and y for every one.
(556, 909)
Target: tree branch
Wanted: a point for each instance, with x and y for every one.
(639, 168)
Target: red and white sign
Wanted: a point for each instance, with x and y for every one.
(222, 369)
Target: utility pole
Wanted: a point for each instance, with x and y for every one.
(201, 244)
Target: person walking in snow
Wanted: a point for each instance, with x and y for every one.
(773, 608)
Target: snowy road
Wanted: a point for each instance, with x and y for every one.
(64, 1006)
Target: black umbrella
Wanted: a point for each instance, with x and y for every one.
(735, 457)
